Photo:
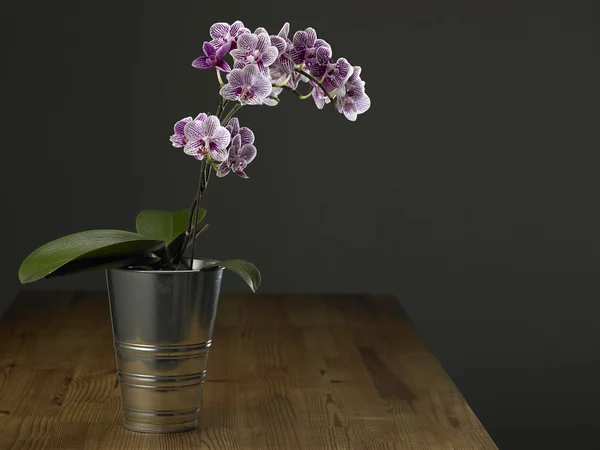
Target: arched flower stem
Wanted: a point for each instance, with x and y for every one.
(231, 113)
(316, 81)
(298, 94)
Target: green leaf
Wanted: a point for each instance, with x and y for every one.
(109, 262)
(164, 225)
(244, 269)
(93, 244)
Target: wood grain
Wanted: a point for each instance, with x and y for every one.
(285, 372)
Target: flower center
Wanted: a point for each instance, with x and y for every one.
(247, 93)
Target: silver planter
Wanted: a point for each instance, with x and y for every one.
(162, 326)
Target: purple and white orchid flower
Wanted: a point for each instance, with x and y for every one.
(332, 74)
(351, 98)
(178, 139)
(247, 86)
(308, 49)
(240, 155)
(233, 126)
(283, 66)
(212, 58)
(226, 36)
(273, 98)
(206, 138)
(255, 49)
(263, 65)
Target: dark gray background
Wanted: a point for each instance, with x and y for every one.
(469, 190)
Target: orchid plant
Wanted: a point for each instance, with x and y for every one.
(263, 67)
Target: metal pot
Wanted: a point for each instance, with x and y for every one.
(162, 326)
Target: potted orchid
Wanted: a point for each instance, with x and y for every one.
(163, 303)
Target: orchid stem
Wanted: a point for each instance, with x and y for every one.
(298, 94)
(201, 187)
(221, 107)
(316, 81)
(231, 113)
(284, 82)
(219, 78)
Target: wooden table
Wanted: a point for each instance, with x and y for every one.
(285, 372)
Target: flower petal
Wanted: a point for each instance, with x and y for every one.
(178, 128)
(317, 70)
(219, 30)
(319, 97)
(194, 130)
(350, 113)
(202, 62)
(355, 73)
(261, 30)
(278, 43)
(322, 43)
(263, 42)
(210, 126)
(239, 64)
(193, 147)
(297, 55)
(270, 101)
(237, 27)
(221, 137)
(323, 55)
(236, 144)
(208, 49)
(236, 77)
(286, 64)
(249, 74)
(201, 117)
(300, 40)
(239, 53)
(247, 136)
(222, 51)
(252, 101)
(223, 66)
(248, 153)
(218, 154)
(233, 126)
(362, 104)
(241, 174)
(285, 30)
(269, 56)
(261, 86)
(223, 169)
(247, 41)
(311, 36)
(345, 69)
(178, 140)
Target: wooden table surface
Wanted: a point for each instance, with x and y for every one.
(285, 372)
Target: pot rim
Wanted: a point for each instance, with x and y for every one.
(171, 272)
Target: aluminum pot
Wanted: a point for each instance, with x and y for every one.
(162, 326)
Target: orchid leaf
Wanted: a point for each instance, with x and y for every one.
(113, 245)
(107, 262)
(164, 226)
(244, 269)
